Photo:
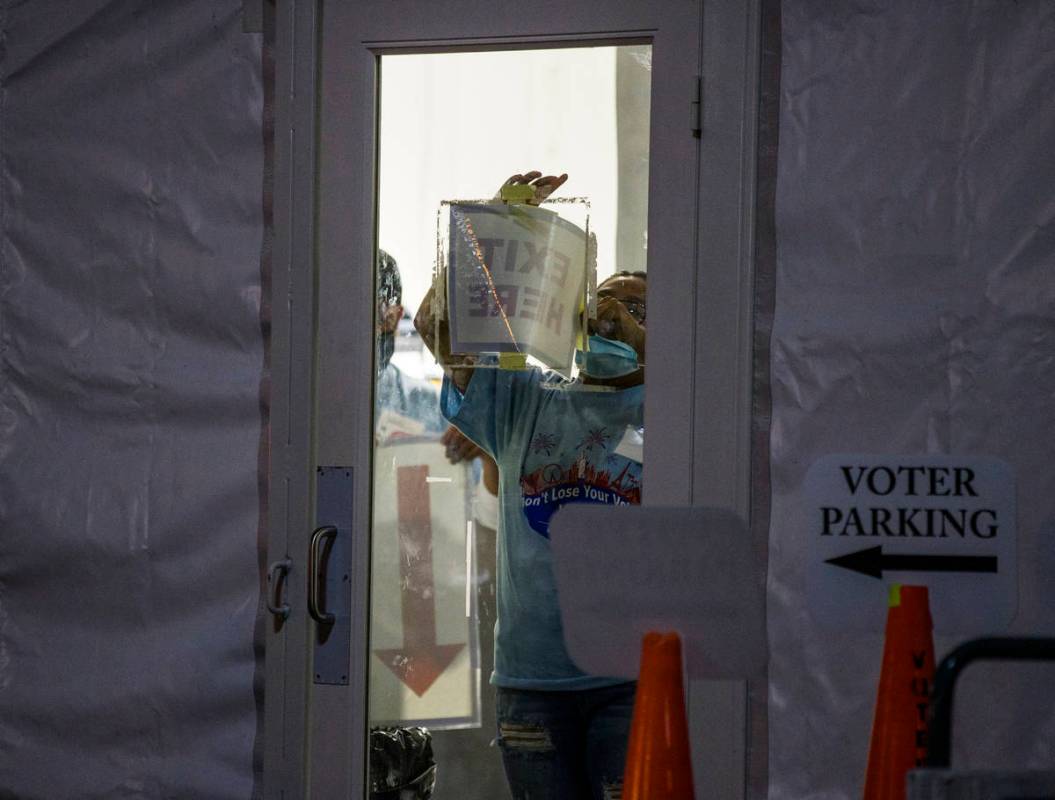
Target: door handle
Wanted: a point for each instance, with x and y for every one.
(315, 585)
(276, 580)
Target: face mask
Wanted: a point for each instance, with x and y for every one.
(607, 358)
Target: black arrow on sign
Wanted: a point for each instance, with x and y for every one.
(871, 561)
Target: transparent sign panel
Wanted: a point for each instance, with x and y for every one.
(512, 235)
(512, 278)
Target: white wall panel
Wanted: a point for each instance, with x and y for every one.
(131, 378)
(915, 314)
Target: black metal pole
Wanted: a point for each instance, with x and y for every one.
(939, 735)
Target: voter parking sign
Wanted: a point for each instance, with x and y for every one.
(940, 521)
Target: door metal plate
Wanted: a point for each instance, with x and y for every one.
(333, 506)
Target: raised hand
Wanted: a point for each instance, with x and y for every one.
(543, 186)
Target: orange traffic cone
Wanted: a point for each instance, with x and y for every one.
(899, 729)
(658, 765)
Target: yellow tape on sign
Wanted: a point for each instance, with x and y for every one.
(512, 361)
(895, 595)
(517, 193)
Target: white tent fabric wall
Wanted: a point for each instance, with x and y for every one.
(915, 313)
(131, 375)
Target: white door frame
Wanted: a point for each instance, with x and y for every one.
(701, 234)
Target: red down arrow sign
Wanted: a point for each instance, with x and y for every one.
(420, 661)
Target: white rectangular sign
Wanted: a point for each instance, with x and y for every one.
(515, 281)
(945, 522)
(623, 571)
(425, 661)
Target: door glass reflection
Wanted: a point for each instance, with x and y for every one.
(512, 233)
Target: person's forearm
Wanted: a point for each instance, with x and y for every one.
(460, 376)
(436, 336)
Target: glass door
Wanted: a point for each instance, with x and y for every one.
(460, 517)
(499, 207)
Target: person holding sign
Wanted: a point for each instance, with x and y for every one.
(562, 732)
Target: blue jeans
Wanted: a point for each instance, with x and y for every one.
(565, 745)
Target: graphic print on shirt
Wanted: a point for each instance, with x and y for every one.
(585, 469)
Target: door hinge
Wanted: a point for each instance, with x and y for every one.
(696, 108)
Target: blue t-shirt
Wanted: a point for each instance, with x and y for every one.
(553, 446)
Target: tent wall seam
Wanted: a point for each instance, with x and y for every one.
(4, 383)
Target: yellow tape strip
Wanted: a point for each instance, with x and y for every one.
(512, 361)
(895, 595)
(516, 193)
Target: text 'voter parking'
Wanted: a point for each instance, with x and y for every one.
(909, 520)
